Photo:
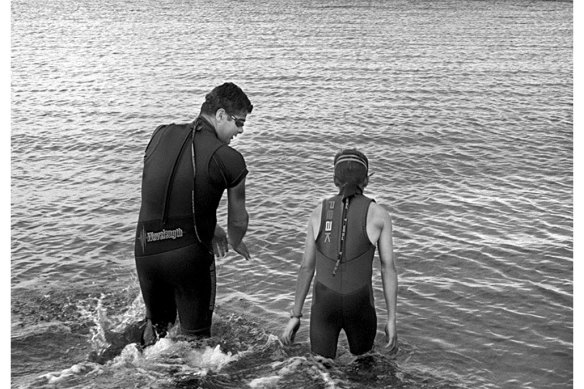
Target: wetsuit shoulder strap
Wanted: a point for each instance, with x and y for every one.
(364, 204)
(323, 213)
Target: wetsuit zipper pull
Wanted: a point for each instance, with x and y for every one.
(336, 266)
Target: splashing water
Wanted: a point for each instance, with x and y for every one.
(469, 137)
(106, 329)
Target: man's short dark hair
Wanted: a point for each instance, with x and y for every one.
(228, 96)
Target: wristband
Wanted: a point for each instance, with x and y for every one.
(292, 315)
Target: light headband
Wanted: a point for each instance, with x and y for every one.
(350, 158)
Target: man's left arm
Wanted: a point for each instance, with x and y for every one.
(237, 218)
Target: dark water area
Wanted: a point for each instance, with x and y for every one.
(464, 109)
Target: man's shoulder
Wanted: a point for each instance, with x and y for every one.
(165, 136)
(228, 165)
(229, 157)
(172, 126)
(171, 129)
(226, 151)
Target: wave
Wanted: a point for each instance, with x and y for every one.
(93, 341)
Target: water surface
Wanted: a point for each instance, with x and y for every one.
(464, 109)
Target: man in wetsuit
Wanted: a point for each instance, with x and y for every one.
(187, 167)
(340, 244)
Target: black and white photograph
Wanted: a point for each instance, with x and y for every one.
(339, 194)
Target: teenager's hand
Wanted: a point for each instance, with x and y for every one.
(391, 336)
(290, 331)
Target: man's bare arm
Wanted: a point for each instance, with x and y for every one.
(237, 218)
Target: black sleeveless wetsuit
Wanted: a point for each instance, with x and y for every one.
(174, 258)
(345, 300)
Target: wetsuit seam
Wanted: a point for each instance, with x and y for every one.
(238, 179)
(364, 221)
(350, 294)
(326, 256)
(354, 258)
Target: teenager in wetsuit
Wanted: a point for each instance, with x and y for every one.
(187, 167)
(340, 245)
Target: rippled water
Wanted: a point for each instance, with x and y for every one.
(463, 107)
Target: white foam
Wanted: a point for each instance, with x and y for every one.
(80, 368)
(200, 360)
(292, 365)
(131, 354)
(134, 313)
(98, 340)
(265, 382)
(210, 358)
(328, 381)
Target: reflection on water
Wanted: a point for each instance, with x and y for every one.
(463, 108)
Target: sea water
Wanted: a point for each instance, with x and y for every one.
(464, 109)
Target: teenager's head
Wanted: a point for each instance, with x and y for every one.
(351, 172)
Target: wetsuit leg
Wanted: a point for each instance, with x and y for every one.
(179, 280)
(360, 320)
(325, 321)
(157, 292)
(195, 291)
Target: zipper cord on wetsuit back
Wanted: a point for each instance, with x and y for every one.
(343, 234)
(168, 190)
(193, 192)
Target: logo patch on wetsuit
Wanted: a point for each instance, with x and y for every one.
(328, 225)
(163, 235)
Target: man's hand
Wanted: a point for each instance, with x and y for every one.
(243, 251)
(391, 337)
(290, 331)
(219, 242)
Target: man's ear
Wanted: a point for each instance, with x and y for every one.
(365, 182)
(220, 114)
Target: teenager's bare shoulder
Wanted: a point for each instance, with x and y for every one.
(379, 214)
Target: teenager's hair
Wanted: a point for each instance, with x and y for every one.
(228, 96)
(351, 169)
